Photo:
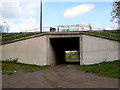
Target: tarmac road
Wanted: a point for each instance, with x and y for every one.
(60, 76)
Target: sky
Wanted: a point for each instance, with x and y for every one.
(23, 15)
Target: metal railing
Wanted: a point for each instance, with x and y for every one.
(13, 36)
(109, 34)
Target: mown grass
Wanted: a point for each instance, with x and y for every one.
(106, 69)
(113, 31)
(9, 67)
(72, 58)
(13, 36)
(115, 34)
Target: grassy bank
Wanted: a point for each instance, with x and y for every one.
(114, 34)
(106, 69)
(72, 58)
(13, 36)
(9, 67)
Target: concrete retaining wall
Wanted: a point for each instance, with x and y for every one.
(30, 51)
(97, 49)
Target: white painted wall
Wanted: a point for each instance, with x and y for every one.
(30, 51)
(97, 49)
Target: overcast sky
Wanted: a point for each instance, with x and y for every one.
(23, 15)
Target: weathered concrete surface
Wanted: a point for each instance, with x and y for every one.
(51, 54)
(31, 51)
(97, 49)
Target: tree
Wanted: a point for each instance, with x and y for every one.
(116, 12)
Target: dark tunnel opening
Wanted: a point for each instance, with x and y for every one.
(61, 45)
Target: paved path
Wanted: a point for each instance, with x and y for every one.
(61, 76)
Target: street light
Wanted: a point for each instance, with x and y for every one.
(6, 27)
(41, 17)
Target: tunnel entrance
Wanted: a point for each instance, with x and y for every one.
(60, 47)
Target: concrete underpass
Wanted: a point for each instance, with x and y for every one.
(60, 45)
(49, 48)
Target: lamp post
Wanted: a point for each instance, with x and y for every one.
(41, 17)
(6, 26)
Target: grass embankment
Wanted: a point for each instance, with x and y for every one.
(107, 69)
(114, 34)
(9, 67)
(72, 58)
(13, 36)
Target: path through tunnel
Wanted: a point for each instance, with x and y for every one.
(61, 45)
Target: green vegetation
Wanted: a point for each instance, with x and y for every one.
(107, 69)
(9, 66)
(116, 11)
(8, 73)
(13, 36)
(71, 56)
(111, 34)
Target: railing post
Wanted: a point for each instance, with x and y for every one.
(15, 36)
(4, 38)
(110, 34)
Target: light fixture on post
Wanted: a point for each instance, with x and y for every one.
(6, 27)
(41, 17)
